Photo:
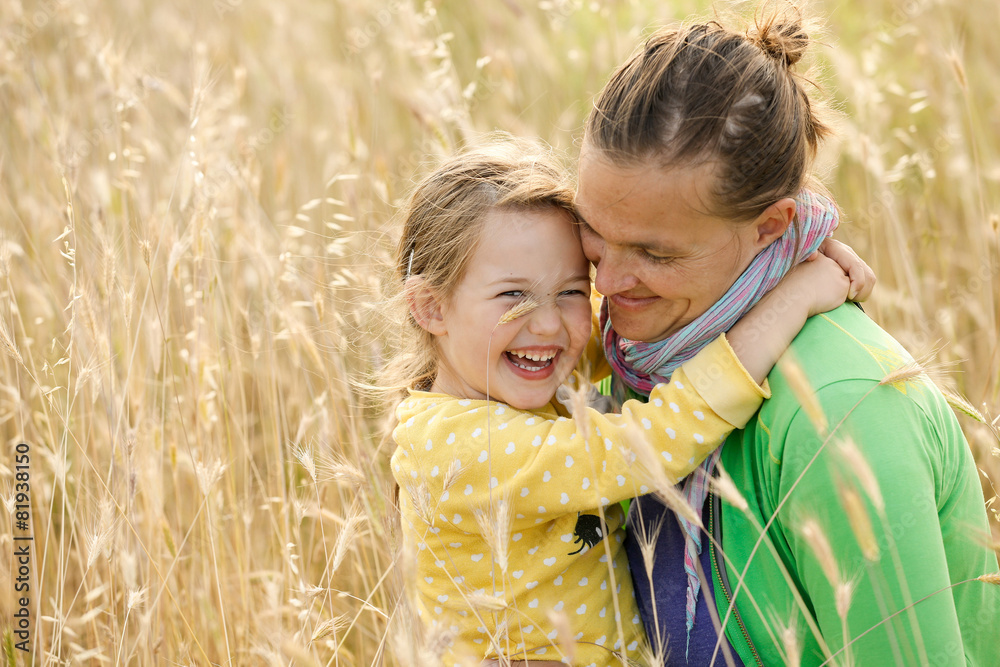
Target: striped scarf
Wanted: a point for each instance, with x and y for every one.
(639, 366)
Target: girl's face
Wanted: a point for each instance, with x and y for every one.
(522, 254)
(661, 259)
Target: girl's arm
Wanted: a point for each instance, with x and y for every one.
(544, 465)
(551, 466)
(861, 275)
(762, 335)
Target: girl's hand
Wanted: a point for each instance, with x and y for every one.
(861, 275)
(818, 285)
(809, 289)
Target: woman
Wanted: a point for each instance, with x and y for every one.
(691, 185)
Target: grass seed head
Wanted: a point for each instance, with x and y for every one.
(208, 474)
(494, 524)
(135, 597)
(649, 468)
(818, 543)
(799, 384)
(346, 540)
(564, 635)
(487, 601)
(991, 578)
(647, 535)
(331, 626)
(7, 342)
(305, 458)
(726, 488)
(859, 520)
(519, 309)
(959, 69)
(654, 655)
(452, 474)
(791, 646)
(843, 595)
(420, 498)
(338, 469)
(146, 252)
(578, 404)
(858, 464)
(958, 403)
(99, 536)
(903, 374)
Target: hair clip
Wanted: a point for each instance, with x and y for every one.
(409, 266)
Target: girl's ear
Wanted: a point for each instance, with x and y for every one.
(425, 306)
(772, 223)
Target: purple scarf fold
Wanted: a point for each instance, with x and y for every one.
(639, 366)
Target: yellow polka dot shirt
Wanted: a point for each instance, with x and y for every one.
(512, 515)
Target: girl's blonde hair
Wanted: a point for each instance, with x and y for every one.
(443, 226)
(705, 93)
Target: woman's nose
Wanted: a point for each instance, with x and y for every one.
(612, 273)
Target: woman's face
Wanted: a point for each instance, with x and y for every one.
(661, 259)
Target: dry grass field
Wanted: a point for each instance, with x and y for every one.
(196, 199)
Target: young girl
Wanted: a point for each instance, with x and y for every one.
(509, 506)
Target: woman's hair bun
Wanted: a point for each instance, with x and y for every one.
(785, 42)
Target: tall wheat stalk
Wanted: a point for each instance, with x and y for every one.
(196, 200)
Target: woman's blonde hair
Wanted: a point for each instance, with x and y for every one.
(443, 226)
(705, 93)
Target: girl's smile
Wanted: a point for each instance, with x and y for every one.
(533, 364)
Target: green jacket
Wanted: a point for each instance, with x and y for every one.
(932, 533)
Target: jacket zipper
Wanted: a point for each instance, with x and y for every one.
(721, 577)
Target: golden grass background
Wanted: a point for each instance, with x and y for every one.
(196, 198)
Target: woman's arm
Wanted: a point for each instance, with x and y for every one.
(927, 526)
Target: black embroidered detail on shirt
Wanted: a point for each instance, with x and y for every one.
(589, 531)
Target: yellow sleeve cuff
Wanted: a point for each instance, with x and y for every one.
(724, 384)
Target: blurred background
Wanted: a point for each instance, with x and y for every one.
(196, 203)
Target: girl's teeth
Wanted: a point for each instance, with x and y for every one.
(532, 368)
(533, 356)
(545, 360)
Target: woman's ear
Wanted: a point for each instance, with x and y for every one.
(772, 223)
(425, 306)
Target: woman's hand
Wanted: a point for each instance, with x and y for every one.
(861, 275)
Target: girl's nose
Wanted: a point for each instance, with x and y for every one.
(545, 320)
(613, 274)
